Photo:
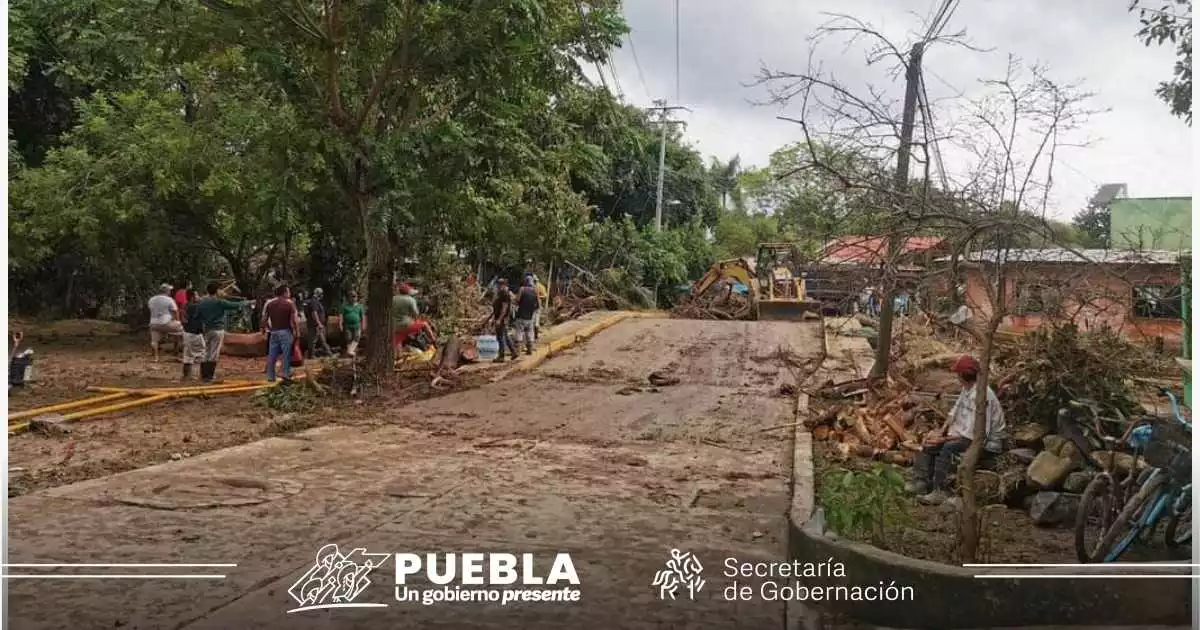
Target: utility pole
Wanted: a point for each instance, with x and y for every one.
(912, 80)
(663, 109)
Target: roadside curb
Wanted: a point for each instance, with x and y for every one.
(797, 615)
(557, 346)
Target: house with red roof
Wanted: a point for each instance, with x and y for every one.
(873, 250)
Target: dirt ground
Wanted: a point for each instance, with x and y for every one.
(585, 454)
(1009, 535)
(71, 356)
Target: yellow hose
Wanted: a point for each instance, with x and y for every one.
(78, 415)
(154, 391)
(29, 413)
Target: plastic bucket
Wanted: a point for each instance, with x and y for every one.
(488, 347)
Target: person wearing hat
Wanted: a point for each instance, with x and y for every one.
(317, 318)
(164, 318)
(936, 460)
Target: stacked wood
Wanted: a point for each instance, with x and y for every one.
(886, 425)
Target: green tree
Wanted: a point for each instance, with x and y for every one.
(393, 86)
(1093, 224)
(1171, 22)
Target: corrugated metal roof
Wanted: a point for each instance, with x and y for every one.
(872, 249)
(1066, 256)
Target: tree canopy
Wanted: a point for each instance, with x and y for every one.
(1171, 22)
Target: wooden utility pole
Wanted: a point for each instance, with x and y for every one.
(912, 79)
(663, 109)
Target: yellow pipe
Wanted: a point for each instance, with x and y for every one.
(155, 397)
(29, 413)
(559, 345)
(78, 415)
(175, 390)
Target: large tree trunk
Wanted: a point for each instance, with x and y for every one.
(883, 346)
(380, 267)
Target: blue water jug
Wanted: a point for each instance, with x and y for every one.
(487, 346)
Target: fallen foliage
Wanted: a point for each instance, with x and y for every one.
(1048, 368)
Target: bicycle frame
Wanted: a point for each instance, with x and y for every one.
(1169, 495)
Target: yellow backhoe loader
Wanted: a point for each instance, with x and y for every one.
(784, 295)
(775, 291)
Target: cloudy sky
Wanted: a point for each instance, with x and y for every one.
(723, 44)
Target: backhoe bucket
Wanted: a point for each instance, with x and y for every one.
(786, 310)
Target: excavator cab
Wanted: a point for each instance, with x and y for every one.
(783, 292)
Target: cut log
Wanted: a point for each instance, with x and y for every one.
(936, 360)
(823, 419)
(860, 426)
(897, 428)
(899, 458)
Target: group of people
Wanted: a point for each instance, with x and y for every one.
(201, 323)
(520, 312)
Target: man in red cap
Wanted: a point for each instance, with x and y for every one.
(936, 460)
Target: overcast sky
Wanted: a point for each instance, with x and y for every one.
(723, 43)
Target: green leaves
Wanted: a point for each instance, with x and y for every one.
(1171, 22)
(865, 505)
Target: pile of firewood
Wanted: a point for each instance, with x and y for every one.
(860, 422)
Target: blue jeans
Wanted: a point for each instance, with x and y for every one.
(279, 346)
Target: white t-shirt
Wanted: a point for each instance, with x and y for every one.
(963, 418)
(162, 309)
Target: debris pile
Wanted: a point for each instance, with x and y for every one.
(1048, 368)
(721, 301)
(1035, 375)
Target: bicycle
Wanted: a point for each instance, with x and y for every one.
(1108, 490)
(1164, 489)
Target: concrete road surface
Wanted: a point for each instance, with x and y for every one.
(583, 457)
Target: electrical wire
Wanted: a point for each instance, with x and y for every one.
(596, 64)
(612, 69)
(677, 98)
(930, 132)
(637, 64)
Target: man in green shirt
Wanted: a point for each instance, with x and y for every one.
(352, 316)
(213, 311)
(404, 315)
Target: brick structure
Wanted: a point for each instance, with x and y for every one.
(1135, 293)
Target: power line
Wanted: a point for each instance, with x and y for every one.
(931, 132)
(584, 26)
(612, 68)
(637, 64)
(677, 98)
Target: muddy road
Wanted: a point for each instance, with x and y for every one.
(654, 435)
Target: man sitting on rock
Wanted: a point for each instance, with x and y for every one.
(935, 462)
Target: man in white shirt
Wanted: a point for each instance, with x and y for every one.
(164, 318)
(935, 462)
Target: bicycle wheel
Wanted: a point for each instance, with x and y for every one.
(1179, 527)
(1097, 509)
(1129, 523)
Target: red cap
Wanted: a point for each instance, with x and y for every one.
(965, 363)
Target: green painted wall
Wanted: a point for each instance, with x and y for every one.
(1152, 223)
